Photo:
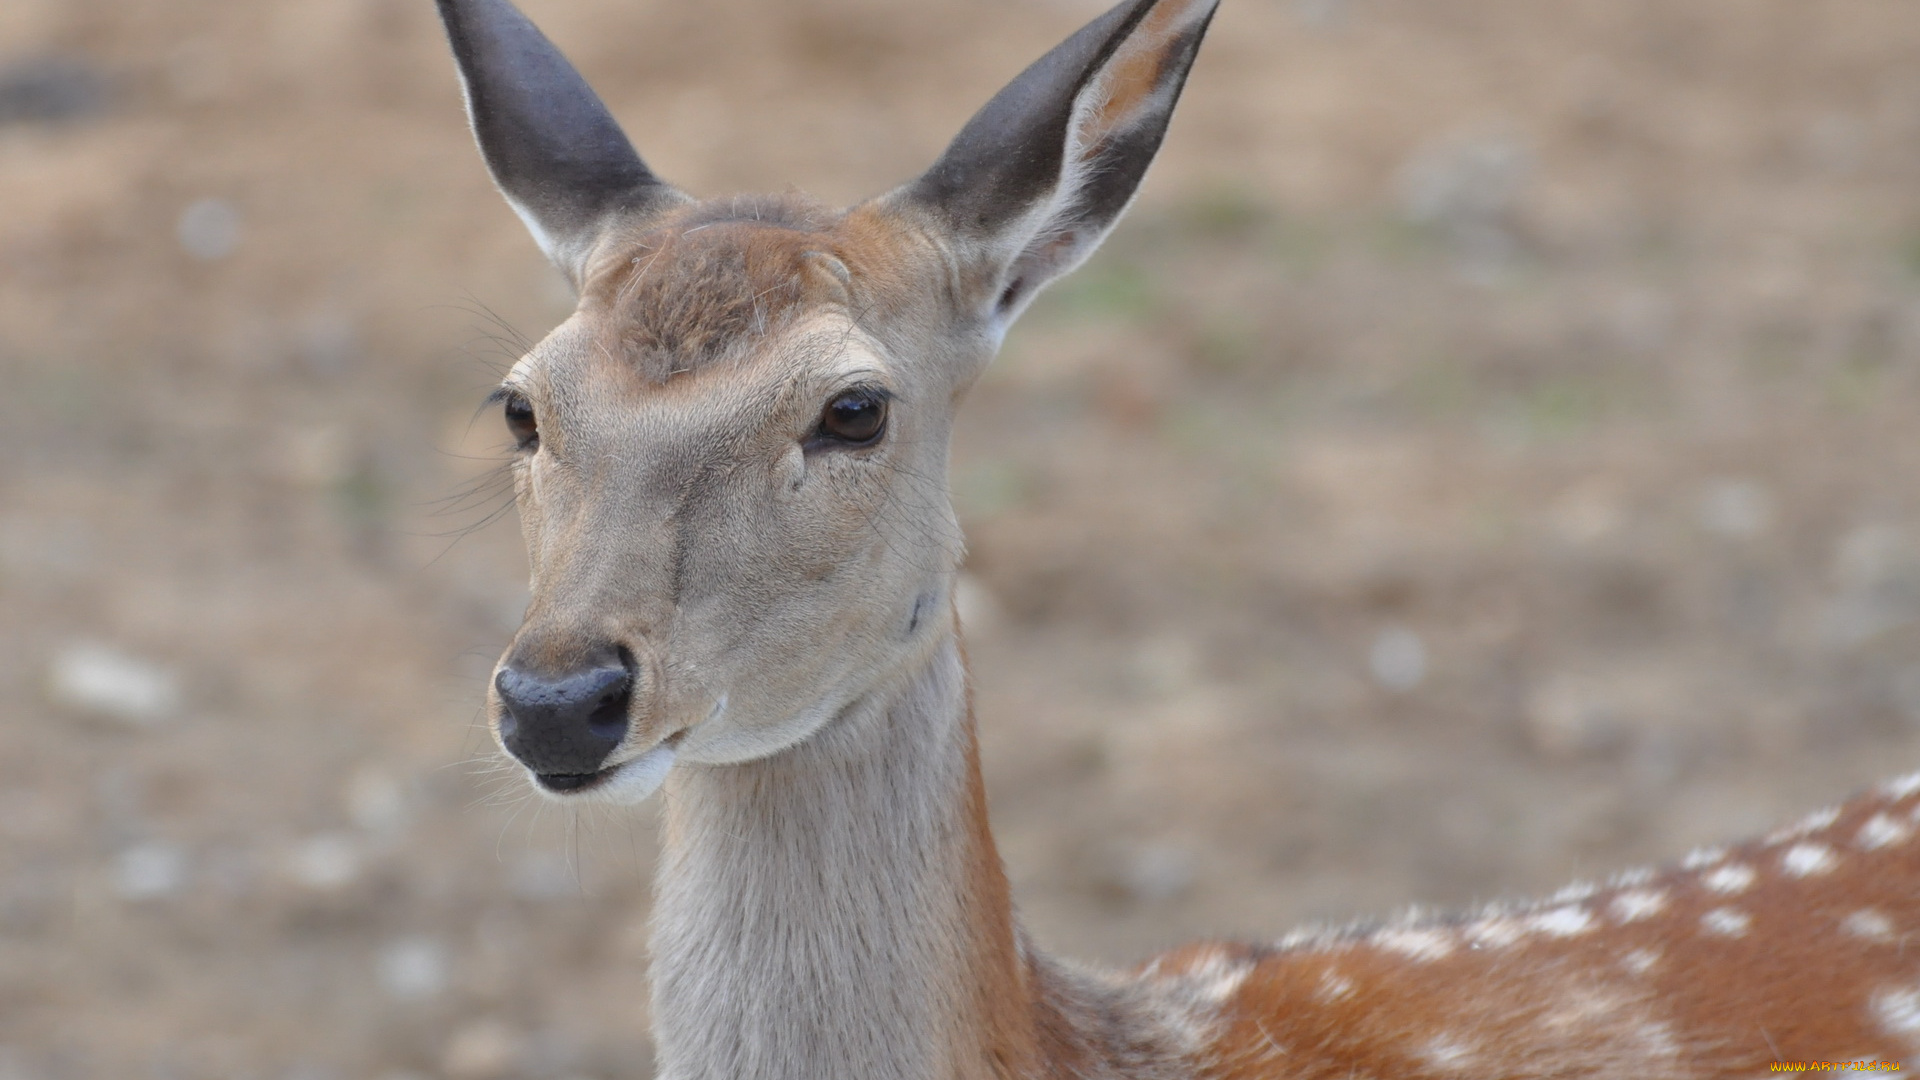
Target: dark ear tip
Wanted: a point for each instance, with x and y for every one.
(1044, 146)
(553, 148)
(1011, 153)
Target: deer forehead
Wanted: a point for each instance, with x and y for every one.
(721, 282)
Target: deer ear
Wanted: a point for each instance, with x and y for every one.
(554, 151)
(1035, 180)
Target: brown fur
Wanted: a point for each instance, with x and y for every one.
(697, 288)
(1659, 996)
(1003, 996)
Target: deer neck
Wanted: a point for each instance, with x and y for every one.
(839, 910)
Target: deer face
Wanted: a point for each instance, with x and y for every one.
(732, 503)
(732, 463)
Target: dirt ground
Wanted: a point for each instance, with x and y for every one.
(1486, 456)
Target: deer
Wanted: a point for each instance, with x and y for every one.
(730, 472)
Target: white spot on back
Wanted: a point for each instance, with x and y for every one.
(1898, 1010)
(1333, 986)
(1415, 944)
(1219, 974)
(1902, 786)
(1496, 932)
(1639, 875)
(1657, 1038)
(1806, 860)
(1726, 922)
(1806, 826)
(1699, 858)
(1570, 921)
(1222, 986)
(1447, 1051)
(1640, 961)
(1305, 937)
(1868, 923)
(1574, 893)
(1729, 879)
(1638, 904)
(1881, 831)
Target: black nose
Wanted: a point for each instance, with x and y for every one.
(564, 725)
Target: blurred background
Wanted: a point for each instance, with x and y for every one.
(1486, 456)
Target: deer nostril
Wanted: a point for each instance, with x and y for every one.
(609, 718)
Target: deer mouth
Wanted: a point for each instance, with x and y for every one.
(558, 782)
(628, 782)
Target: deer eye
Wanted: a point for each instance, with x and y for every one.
(520, 423)
(855, 418)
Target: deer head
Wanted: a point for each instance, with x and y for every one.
(731, 462)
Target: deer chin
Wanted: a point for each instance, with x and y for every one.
(628, 783)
